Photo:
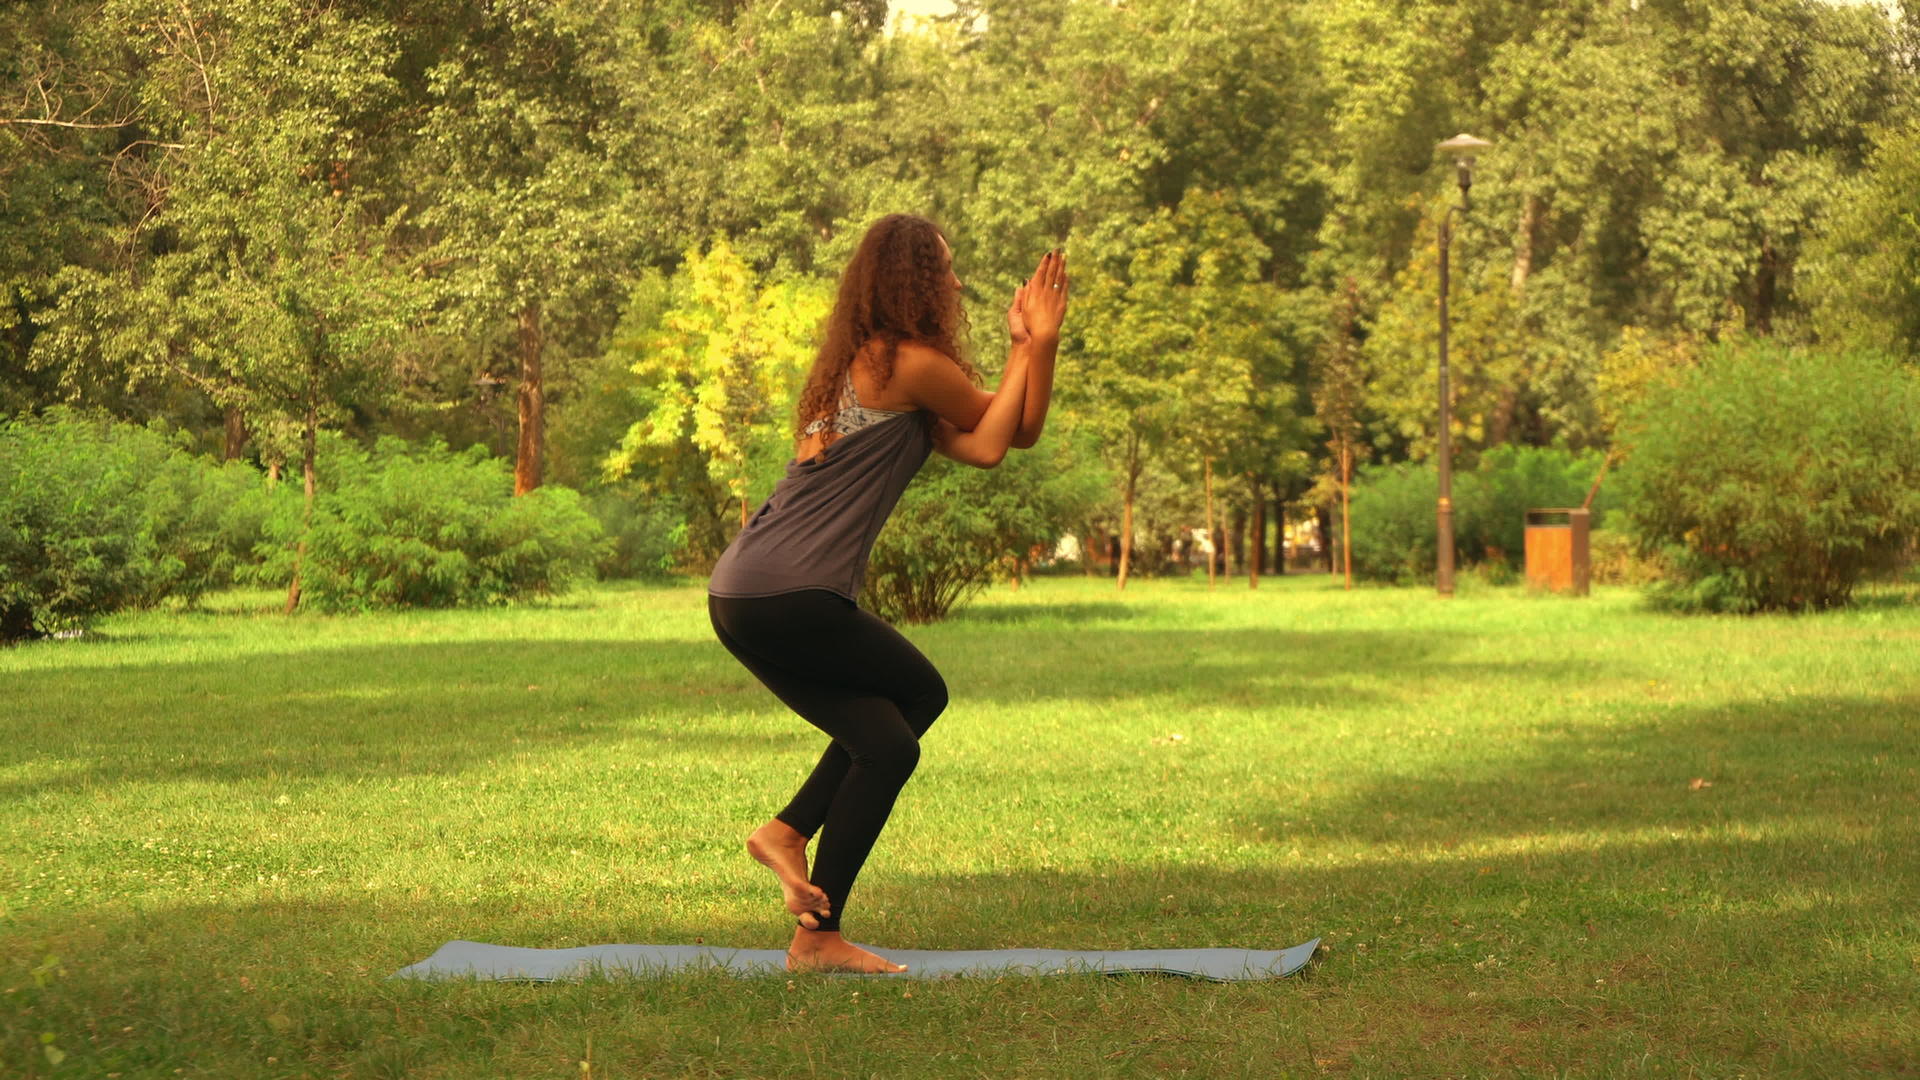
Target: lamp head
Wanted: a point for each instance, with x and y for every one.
(1463, 147)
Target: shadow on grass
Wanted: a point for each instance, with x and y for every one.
(1510, 961)
(1774, 762)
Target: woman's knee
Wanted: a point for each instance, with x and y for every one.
(926, 707)
(894, 756)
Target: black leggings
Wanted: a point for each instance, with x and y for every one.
(848, 673)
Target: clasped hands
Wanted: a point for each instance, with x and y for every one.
(1040, 305)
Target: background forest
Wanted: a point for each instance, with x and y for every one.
(593, 239)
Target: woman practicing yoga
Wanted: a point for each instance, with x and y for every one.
(888, 386)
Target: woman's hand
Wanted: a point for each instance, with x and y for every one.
(1043, 299)
(1016, 321)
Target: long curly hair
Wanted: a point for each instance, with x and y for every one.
(897, 288)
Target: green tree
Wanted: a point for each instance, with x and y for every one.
(1864, 271)
(523, 209)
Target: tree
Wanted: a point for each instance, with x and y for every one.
(523, 213)
(1864, 272)
(721, 368)
(262, 277)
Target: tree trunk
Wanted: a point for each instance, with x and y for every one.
(1279, 533)
(528, 465)
(1210, 552)
(306, 518)
(1324, 519)
(1257, 534)
(1523, 244)
(236, 434)
(1236, 536)
(1764, 285)
(1126, 526)
(1500, 424)
(1346, 519)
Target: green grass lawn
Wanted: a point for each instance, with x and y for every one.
(1538, 835)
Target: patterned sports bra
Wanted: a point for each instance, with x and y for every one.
(851, 416)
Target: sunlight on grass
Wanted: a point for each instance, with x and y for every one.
(1575, 834)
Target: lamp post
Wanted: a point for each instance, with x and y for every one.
(1462, 147)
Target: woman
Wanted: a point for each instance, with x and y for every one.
(888, 387)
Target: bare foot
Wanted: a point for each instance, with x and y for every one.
(826, 950)
(780, 848)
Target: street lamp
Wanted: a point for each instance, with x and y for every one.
(1462, 147)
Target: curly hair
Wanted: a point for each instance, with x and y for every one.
(896, 288)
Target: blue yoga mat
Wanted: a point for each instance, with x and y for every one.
(474, 959)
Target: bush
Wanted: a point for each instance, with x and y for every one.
(422, 526)
(98, 516)
(1774, 478)
(1515, 479)
(1396, 529)
(645, 536)
(957, 526)
(1616, 560)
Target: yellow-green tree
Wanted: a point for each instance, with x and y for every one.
(721, 367)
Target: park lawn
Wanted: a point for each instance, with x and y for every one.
(1538, 835)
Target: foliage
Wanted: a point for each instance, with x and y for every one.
(1396, 525)
(1864, 272)
(97, 516)
(1515, 479)
(645, 537)
(1614, 559)
(719, 363)
(402, 525)
(957, 528)
(1773, 478)
(256, 217)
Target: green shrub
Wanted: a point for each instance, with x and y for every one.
(957, 526)
(1616, 560)
(1773, 478)
(98, 516)
(402, 525)
(1395, 522)
(1512, 480)
(645, 536)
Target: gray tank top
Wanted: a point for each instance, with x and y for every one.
(817, 528)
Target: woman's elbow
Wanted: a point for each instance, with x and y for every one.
(987, 459)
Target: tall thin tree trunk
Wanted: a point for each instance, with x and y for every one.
(1279, 533)
(1323, 518)
(306, 517)
(1257, 549)
(1126, 525)
(1500, 424)
(1236, 537)
(1210, 548)
(236, 434)
(1764, 285)
(1346, 519)
(528, 465)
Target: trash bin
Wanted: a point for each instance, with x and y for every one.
(1557, 554)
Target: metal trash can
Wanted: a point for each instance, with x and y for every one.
(1557, 554)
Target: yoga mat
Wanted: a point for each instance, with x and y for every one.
(457, 959)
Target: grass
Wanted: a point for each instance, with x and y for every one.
(1539, 835)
